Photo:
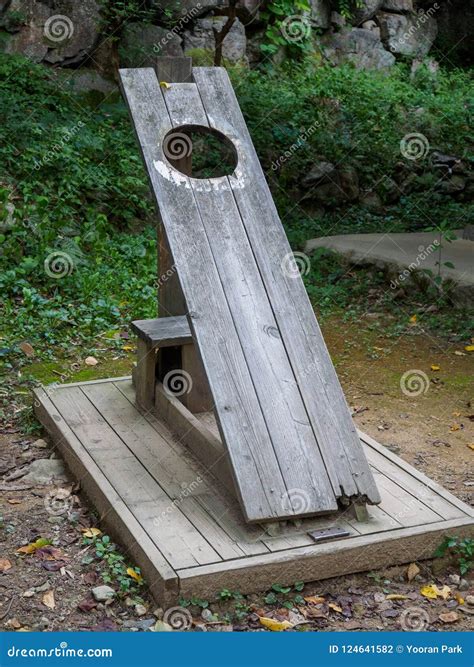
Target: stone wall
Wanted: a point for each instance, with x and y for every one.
(71, 34)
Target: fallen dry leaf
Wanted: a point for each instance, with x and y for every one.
(31, 548)
(455, 427)
(128, 348)
(412, 571)
(273, 625)
(459, 598)
(335, 607)
(314, 599)
(413, 319)
(471, 447)
(435, 367)
(449, 617)
(131, 573)
(432, 592)
(13, 623)
(14, 501)
(5, 564)
(48, 599)
(27, 349)
(91, 532)
(469, 348)
(91, 361)
(458, 353)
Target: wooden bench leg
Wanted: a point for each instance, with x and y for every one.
(144, 375)
(199, 398)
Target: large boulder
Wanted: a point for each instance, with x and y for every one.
(397, 6)
(141, 43)
(408, 35)
(201, 38)
(366, 10)
(326, 184)
(360, 47)
(64, 33)
(320, 13)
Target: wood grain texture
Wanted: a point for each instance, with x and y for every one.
(329, 415)
(280, 409)
(114, 514)
(164, 331)
(127, 461)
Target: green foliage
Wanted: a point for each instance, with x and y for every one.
(112, 564)
(287, 25)
(462, 550)
(116, 13)
(72, 183)
(303, 112)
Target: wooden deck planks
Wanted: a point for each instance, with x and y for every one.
(182, 542)
(82, 421)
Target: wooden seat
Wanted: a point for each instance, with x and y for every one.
(163, 331)
(292, 445)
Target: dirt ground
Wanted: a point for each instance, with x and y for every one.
(432, 428)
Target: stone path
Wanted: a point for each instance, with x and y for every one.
(406, 253)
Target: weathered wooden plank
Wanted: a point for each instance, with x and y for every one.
(164, 331)
(425, 494)
(404, 508)
(308, 486)
(321, 561)
(330, 418)
(255, 466)
(416, 474)
(114, 514)
(183, 483)
(174, 68)
(182, 543)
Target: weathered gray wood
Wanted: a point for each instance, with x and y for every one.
(174, 69)
(152, 506)
(309, 488)
(114, 514)
(164, 331)
(180, 480)
(255, 466)
(144, 374)
(321, 561)
(322, 394)
(105, 467)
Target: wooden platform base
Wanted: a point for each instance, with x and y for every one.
(185, 529)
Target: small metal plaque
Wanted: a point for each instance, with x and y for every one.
(325, 534)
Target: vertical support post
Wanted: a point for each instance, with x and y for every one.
(170, 296)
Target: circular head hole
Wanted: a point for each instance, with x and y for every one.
(200, 152)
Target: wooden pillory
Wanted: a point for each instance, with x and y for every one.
(233, 462)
